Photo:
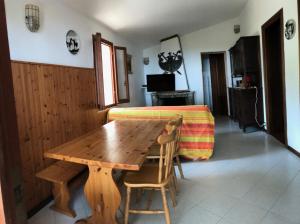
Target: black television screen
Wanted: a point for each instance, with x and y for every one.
(158, 83)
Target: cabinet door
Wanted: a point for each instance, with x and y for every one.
(232, 103)
(231, 52)
(235, 61)
(247, 107)
(251, 55)
(239, 58)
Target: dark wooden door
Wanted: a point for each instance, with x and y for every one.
(11, 209)
(273, 44)
(218, 84)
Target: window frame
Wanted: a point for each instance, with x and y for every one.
(112, 59)
(127, 99)
(98, 66)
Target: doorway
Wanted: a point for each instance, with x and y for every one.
(214, 82)
(273, 48)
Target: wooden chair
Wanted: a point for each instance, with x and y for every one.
(61, 174)
(155, 176)
(154, 152)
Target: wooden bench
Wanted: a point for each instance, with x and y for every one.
(60, 174)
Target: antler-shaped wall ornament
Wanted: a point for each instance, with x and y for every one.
(170, 63)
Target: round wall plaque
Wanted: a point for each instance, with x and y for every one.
(72, 42)
(290, 29)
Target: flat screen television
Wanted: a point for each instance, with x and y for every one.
(159, 83)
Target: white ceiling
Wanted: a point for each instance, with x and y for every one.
(148, 21)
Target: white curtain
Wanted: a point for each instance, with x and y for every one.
(207, 82)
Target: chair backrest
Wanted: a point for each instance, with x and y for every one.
(167, 149)
(177, 122)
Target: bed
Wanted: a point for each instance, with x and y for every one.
(197, 136)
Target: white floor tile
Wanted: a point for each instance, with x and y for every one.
(197, 215)
(272, 218)
(251, 179)
(288, 206)
(245, 213)
(46, 216)
(218, 204)
(262, 196)
(224, 221)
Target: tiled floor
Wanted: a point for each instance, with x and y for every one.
(251, 179)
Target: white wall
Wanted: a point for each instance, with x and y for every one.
(254, 15)
(48, 44)
(216, 38)
(152, 68)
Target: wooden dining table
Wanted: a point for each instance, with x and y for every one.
(121, 145)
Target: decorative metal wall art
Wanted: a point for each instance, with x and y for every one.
(290, 29)
(171, 63)
(72, 42)
(32, 17)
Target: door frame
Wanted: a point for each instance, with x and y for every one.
(226, 78)
(298, 4)
(10, 162)
(265, 26)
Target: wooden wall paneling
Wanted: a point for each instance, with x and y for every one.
(24, 138)
(55, 104)
(43, 97)
(28, 123)
(65, 97)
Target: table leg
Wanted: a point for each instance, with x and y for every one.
(103, 196)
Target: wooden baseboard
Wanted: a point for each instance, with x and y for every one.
(291, 149)
(41, 205)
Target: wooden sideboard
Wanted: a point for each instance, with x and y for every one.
(245, 59)
(243, 106)
(246, 104)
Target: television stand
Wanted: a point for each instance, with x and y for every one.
(173, 98)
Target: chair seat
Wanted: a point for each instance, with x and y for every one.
(154, 151)
(147, 176)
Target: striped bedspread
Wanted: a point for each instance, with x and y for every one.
(197, 135)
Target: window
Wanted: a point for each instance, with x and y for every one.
(105, 72)
(107, 67)
(108, 73)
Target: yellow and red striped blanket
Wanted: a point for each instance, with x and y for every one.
(197, 135)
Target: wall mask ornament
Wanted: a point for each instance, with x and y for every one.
(171, 63)
(32, 17)
(73, 42)
(290, 29)
(146, 61)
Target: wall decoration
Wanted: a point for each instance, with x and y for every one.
(290, 29)
(176, 57)
(129, 64)
(32, 17)
(73, 42)
(170, 63)
(237, 29)
(146, 61)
